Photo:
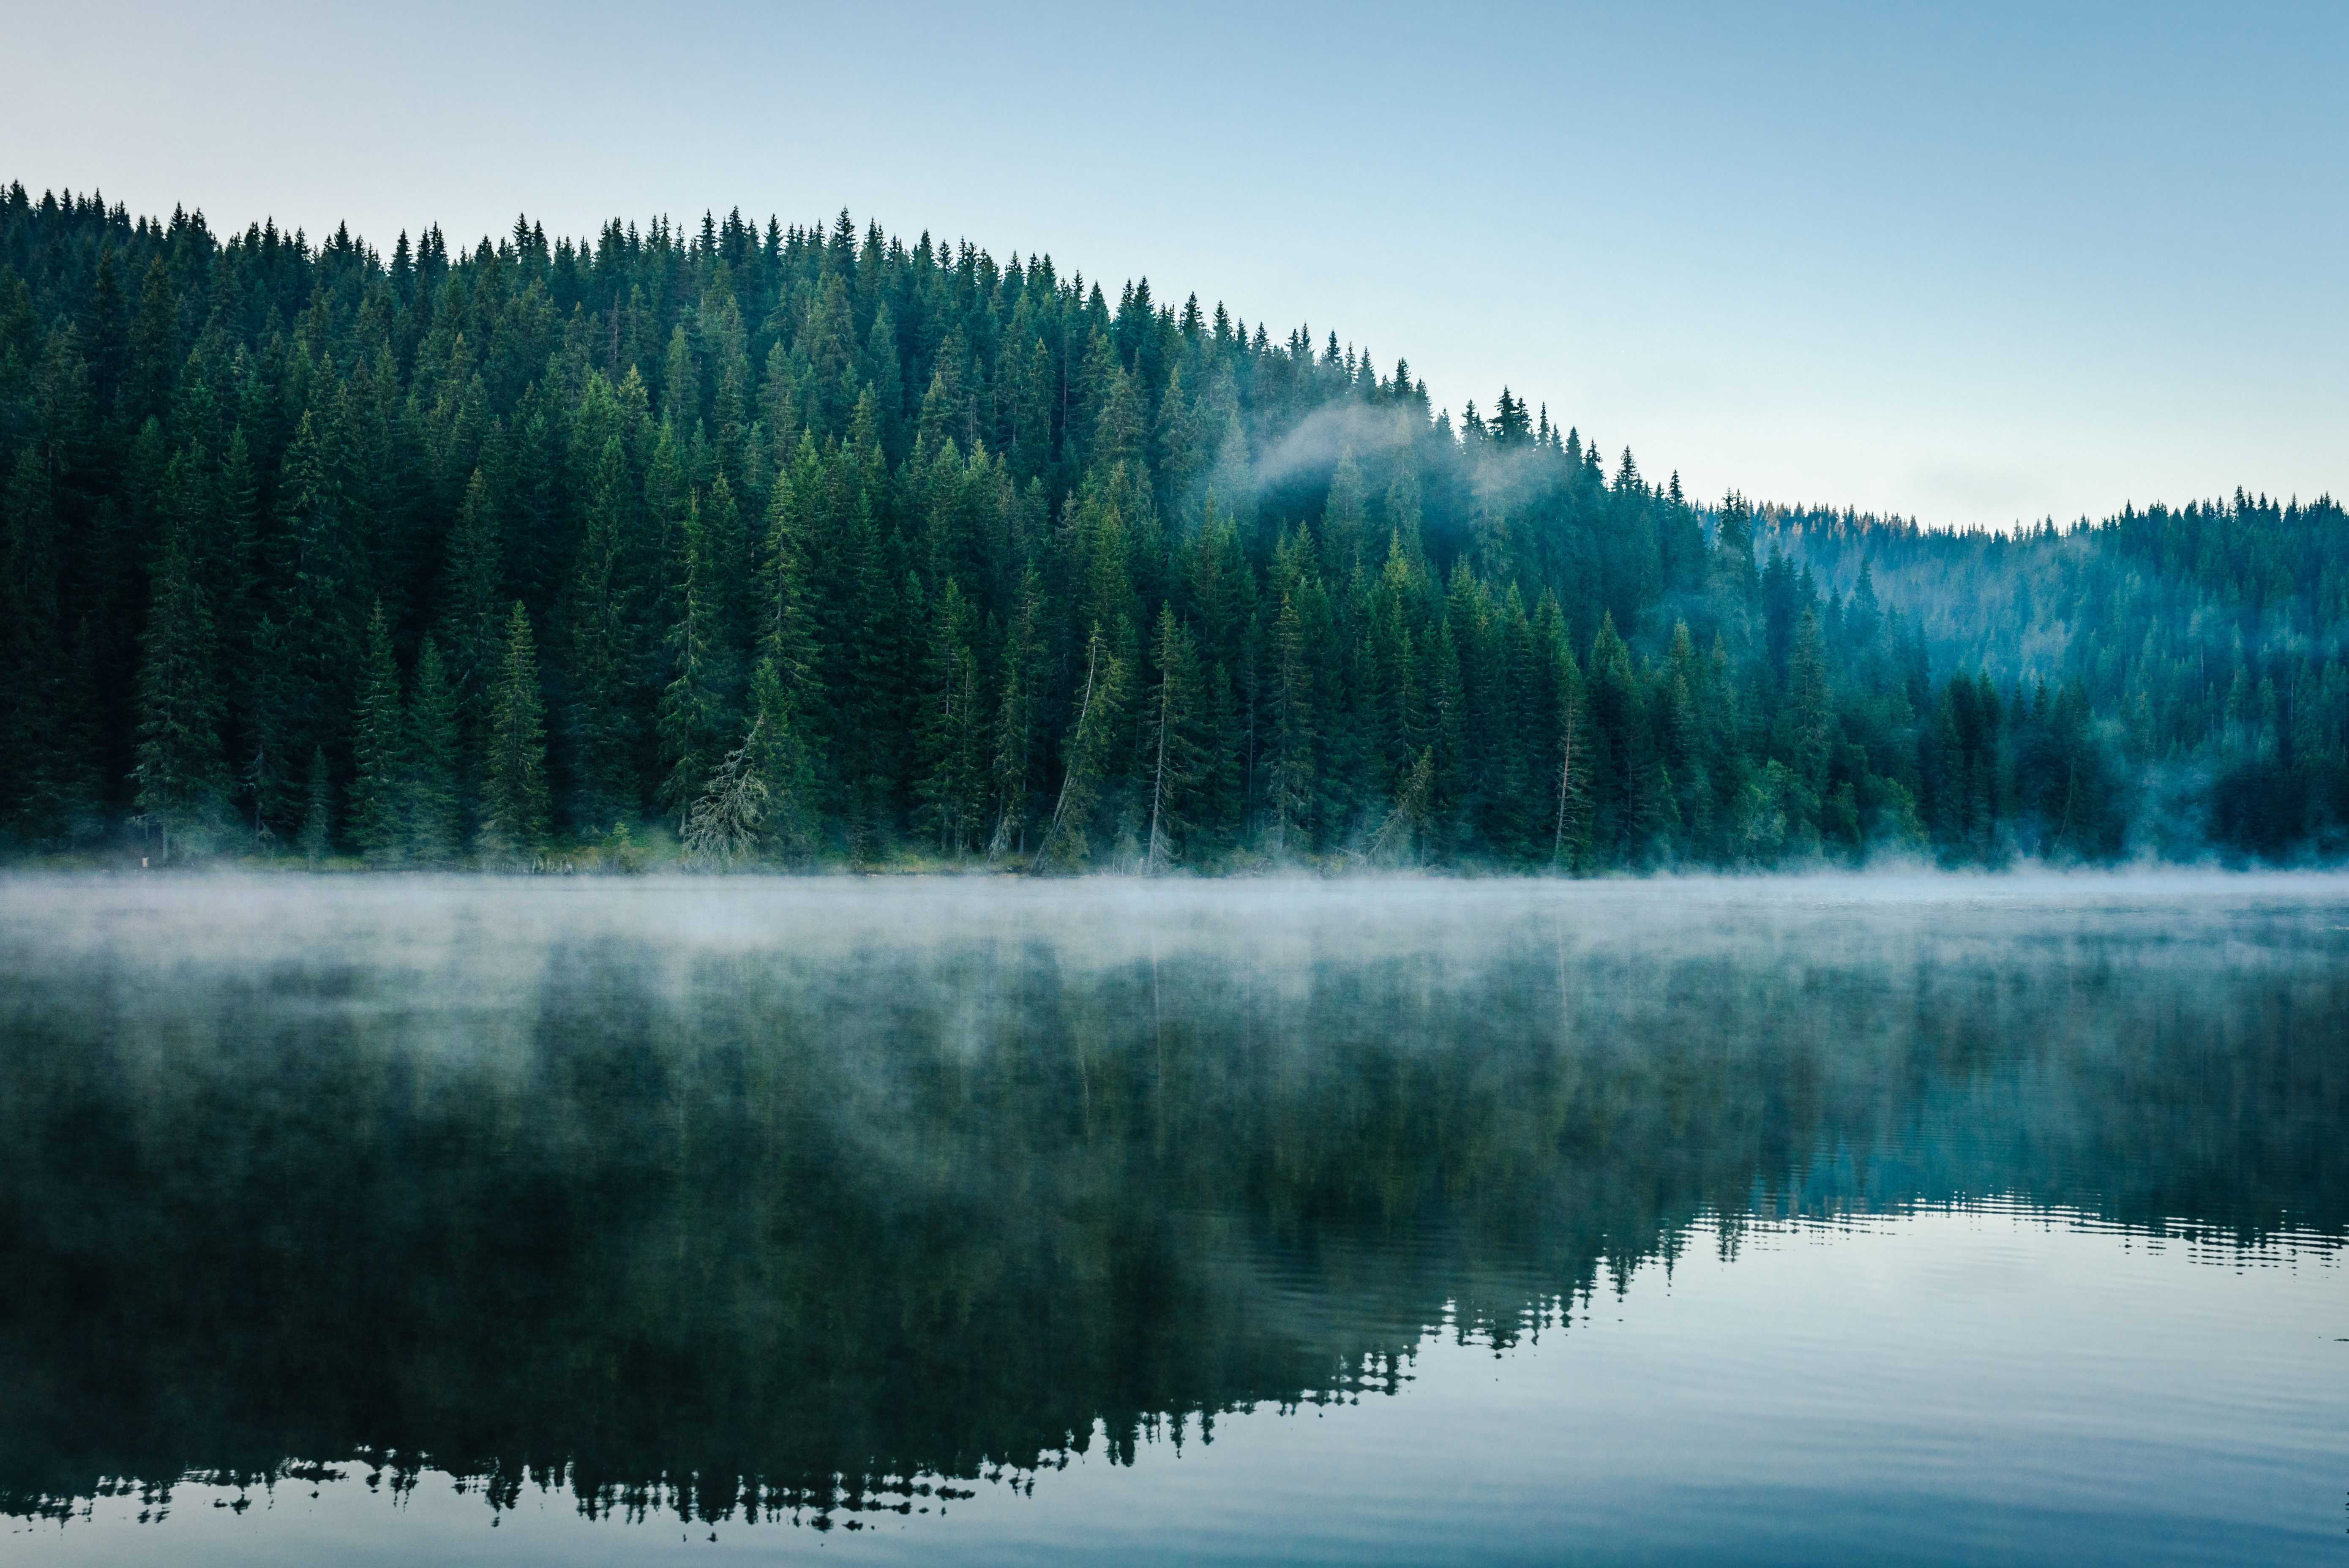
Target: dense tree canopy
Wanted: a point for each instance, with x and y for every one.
(810, 545)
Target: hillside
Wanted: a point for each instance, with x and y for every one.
(811, 546)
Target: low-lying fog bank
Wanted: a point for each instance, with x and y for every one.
(1106, 919)
(793, 1187)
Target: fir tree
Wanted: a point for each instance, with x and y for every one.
(1571, 831)
(180, 770)
(779, 759)
(1177, 755)
(724, 823)
(376, 819)
(1015, 723)
(952, 734)
(316, 836)
(471, 620)
(1090, 747)
(514, 807)
(693, 718)
(435, 816)
(1291, 773)
(598, 610)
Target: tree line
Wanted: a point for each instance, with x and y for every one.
(808, 544)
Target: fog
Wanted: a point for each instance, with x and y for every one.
(480, 935)
(803, 1188)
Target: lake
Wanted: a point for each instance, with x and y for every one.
(1847, 1220)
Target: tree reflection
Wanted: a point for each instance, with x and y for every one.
(782, 1232)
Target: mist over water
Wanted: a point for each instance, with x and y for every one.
(714, 1205)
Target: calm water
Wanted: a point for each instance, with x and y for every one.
(1803, 1222)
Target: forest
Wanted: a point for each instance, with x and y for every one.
(809, 546)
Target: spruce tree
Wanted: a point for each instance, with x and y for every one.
(598, 610)
(724, 823)
(1570, 832)
(1015, 722)
(376, 819)
(515, 806)
(181, 769)
(470, 621)
(32, 638)
(693, 720)
(1344, 521)
(1089, 752)
(316, 838)
(435, 817)
(951, 735)
(778, 758)
(1177, 755)
(1291, 772)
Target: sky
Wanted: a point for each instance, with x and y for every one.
(1974, 264)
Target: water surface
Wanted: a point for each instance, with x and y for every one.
(1982, 1220)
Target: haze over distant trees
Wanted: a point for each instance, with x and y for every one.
(811, 544)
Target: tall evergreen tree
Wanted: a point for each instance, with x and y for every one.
(1569, 836)
(1290, 772)
(315, 838)
(1016, 718)
(514, 804)
(181, 771)
(694, 721)
(1090, 747)
(435, 812)
(1178, 755)
(376, 818)
(952, 734)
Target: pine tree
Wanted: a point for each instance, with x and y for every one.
(951, 733)
(515, 806)
(1571, 831)
(1290, 772)
(598, 610)
(788, 607)
(471, 620)
(724, 823)
(1089, 748)
(181, 771)
(1344, 521)
(693, 719)
(435, 824)
(375, 819)
(312, 571)
(316, 836)
(32, 641)
(1015, 723)
(1805, 735)
(1177, 755)
(780, 760)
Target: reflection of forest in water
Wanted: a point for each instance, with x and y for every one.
(922, 1184)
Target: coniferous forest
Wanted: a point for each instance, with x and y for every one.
(810, 546)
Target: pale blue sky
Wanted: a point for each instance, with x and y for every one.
(1974, 264)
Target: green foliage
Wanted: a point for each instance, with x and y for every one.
(1091, 749)
(181, 773)
(893, 511)
(435, 816)
(376, 819)
(515, 806)
(1179, 748)
(317, 837)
